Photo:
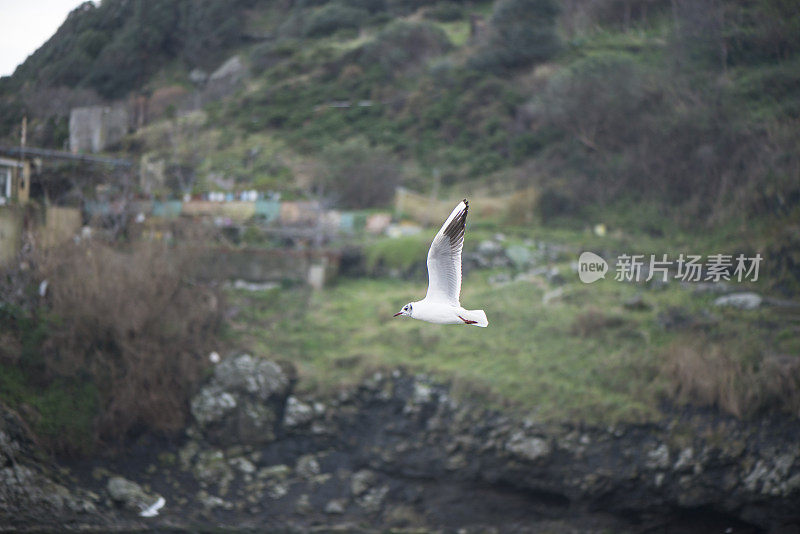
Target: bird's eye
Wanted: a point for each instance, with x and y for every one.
(409, 307)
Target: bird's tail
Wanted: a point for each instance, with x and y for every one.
(479, 316)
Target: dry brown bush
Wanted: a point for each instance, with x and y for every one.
(592, 323)
(707, 374)
(136, 324)
(779, 382)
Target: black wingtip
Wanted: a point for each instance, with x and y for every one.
(455, 230)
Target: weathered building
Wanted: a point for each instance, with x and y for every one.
(93, 128)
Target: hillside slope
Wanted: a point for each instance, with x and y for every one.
(647, 115)
(677, 104)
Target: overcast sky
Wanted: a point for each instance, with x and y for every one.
(25, 25)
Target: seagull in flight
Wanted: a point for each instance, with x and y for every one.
(441, 304)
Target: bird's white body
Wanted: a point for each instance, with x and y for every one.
(444, 313)
(441, 303)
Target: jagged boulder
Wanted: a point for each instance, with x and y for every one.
(297, 413)
(243, 402)
(30, 492)
(133, 497)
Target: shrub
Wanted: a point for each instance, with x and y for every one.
(267, 55)
(355, 175)
(595, 323)
(709, 374)
(405, 255)
(370, 6)
(61, 414)
(595, 99)
(523, 32)
(123, 333)
(735, 32)
(445, 12)
(402, 45)
(136, 324)
(783, 269)
(405, 7)
(619, 129)
(332, 18)
(581, 16)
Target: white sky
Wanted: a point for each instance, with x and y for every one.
(25, 25)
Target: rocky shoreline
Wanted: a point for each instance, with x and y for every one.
(398, 452)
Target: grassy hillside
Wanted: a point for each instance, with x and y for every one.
(559, 353)
(687, 105)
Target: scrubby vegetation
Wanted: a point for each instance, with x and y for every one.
(109, 346)
(523, 32)
(740, 382)
(581, 356)
(354, 175)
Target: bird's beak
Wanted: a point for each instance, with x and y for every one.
(396, 314)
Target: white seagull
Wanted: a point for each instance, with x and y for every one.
(441, 304)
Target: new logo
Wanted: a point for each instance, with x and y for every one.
(591, 267)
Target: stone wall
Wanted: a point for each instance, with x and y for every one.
(273, 265)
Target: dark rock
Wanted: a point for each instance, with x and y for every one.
(243, 401)
(132, 497)
(335, 506)
(210, 502)
(680, 319)
(211, 468)
(530, 448)
(307, 466)
(372, 500)
(361, 481)
(297, 413)
(399, 450)
(520, 256)
(31, 492)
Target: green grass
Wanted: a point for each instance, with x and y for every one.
(255, 160)
(64, 410)
(457, 31)
(60, 412)
(401, 253)
(582, 356)
(528, 357)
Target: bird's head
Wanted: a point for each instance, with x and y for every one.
(408, 309)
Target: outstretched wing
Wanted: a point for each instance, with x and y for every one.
(444, 258)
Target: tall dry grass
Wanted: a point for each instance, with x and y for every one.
(134, 321)
(712, 374)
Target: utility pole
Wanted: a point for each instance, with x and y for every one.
(21, 185)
